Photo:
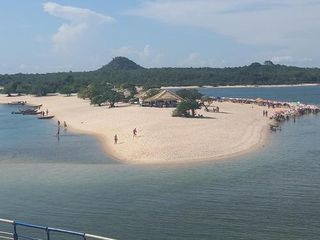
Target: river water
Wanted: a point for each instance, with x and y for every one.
(269, 194)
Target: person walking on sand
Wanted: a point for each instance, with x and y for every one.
(134, 132)
(115, 139)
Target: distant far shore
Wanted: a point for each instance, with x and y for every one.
(244, 86)
(161, 138)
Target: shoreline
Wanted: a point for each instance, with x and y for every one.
(104, 145)
(188, 141)
(265, 135)
(263, 139)
(244, 86)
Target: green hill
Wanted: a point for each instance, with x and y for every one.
(120, 63)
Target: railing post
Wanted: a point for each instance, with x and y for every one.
(15, 234)
(48, 233)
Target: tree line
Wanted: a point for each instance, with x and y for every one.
(122, 73)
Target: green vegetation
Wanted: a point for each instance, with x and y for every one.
(185, 107)
(120, 63)
(125, 74)
(190, 104)
(101, 94)
(191, 94)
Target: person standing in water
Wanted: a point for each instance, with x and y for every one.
(65, 126)
(115, 139)
(58, 132)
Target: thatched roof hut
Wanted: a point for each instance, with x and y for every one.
(142, 95)
(165, 98)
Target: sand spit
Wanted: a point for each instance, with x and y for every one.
(161, 139)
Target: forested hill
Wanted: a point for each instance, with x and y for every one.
(122, 71)
(120, 63)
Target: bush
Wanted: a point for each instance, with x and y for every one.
(191, 94)
(175, 113)
(185, 107)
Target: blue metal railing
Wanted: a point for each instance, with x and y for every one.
(44, 229)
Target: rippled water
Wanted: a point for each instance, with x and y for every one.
(270, 194)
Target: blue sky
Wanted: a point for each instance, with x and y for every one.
(64, 35)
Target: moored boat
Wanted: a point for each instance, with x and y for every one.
(46, 117)
(30, 112)
(17, 103)
(35, 106)
(19, 112)
(26, 112)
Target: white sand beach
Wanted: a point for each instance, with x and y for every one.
(161, 139)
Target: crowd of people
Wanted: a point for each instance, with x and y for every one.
(281, 110)
(294, 111)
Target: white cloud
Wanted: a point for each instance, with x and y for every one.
(125, 51)
(293, 25)
(129, 51)
(194, 59)
(146, 52)
(282, 59)
(75, 14)
(147, 57)
(289, 59)
(22, 66)
(79, 31)
(40, 38)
